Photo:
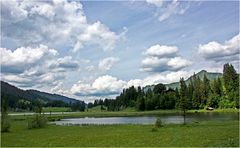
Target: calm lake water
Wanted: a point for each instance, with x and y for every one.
(166, 119)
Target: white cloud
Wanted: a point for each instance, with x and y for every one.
(161, 51)
(163, 58)
(24, 57)
(178, 63)
(229, 51)
(135, 83)
(11, 12)
(167, 9)
(157, 3)
(103, 85)
(35, 66)
(109, 86)
(165, 78)
(54, 23)
(107, 63)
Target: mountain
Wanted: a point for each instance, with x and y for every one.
(209, 75)
(15, 94)
(51, 96)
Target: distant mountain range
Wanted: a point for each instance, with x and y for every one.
(16, 93)
(209, 75)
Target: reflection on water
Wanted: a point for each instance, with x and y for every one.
(166, 119)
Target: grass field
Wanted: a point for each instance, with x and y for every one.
(56, 109)
(196, 134)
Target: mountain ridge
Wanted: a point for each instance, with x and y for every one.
(200, 74)
(16, 93)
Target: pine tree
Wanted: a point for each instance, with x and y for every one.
(197, 93)
(177, 98)
(183, 98)
(231, 83)
(205, 89)
(141, 103)
(190, 94)
(159, 88)
(217, 87)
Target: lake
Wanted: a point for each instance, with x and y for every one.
(166, 119)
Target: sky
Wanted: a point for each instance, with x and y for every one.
(93, 49)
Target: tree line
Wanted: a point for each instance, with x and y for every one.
(222, 92)
(23, 104)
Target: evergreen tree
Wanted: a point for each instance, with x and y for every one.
(231, 83)
(159, 89)
(205, 90)
(183, 104)
(140, 103)
(177, 98)
(190, 94)
(217, 87)
(197, 93)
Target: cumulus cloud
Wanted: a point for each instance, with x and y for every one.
(163, 58)
(35, 66)
(167, 9)
(107, 63)
(159, 78)
(109, 86)
(53, 23)
(161, 51)
(103, 85)
(24, 57)
(228, 51)
(165, 78)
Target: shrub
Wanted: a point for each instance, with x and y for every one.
(5, 123)
(38, 121)
(225, 103)
(154, 129)
(158, 123)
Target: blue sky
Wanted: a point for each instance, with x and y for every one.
(90, 49)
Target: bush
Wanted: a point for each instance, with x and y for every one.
(38, 121)
(5, 123)
(154, 129)
(158, 123)
(225, 103)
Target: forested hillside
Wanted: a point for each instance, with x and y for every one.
(199, 91)
(27, 99)
(174, 85)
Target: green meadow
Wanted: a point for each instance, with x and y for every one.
(195, 134)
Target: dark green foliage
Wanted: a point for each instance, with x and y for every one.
(159, 89)
(78, 106)
(38, 121)
(140, 104)
(205, 90)
(190, 94)
(158, 123)
(154, 129)
(231, 83)
(217, 87)
(197, 92)
(226, 103)
(5, 121)
(183, 102)
(213, 100)
(26, 100)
